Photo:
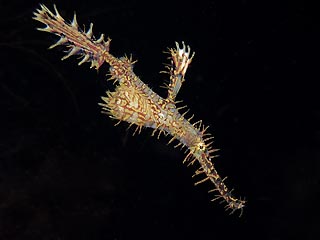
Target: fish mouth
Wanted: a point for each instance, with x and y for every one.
(222, 192)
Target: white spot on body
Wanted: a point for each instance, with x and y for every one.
(134, 103)
(134, 117)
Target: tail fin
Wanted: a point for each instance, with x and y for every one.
(75, 39)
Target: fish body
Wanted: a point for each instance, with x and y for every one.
(134, 102)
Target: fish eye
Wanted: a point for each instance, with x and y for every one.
(201, 146)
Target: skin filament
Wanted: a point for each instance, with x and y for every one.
(134, 102)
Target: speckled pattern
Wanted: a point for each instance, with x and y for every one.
(67, 173)
(134, 102)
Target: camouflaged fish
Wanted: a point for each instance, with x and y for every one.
(134, 102)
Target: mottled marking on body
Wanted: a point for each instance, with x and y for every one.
(134, 102)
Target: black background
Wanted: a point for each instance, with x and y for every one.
(67, 173)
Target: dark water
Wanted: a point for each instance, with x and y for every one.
(67, 173)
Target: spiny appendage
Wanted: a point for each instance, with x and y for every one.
(79, 42)
(180, 60)
(202, 151)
